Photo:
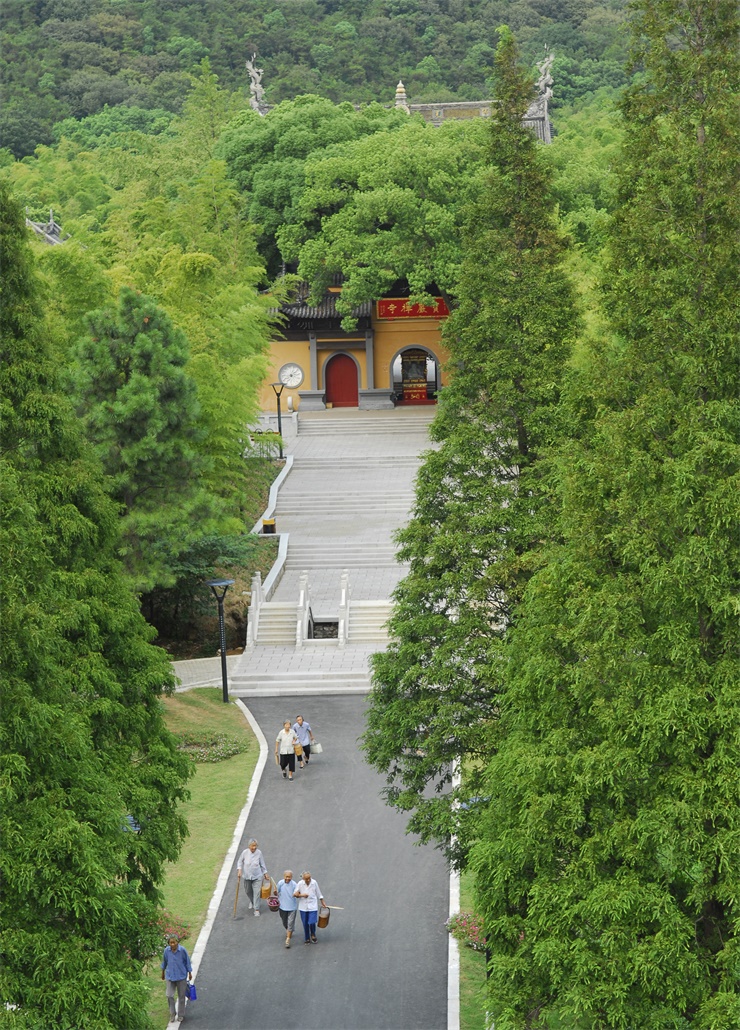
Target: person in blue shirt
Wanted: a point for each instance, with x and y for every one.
(303, 731)
(288, 904)
(176, 970)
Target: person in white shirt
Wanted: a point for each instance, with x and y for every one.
(309, 897)
(285, 743)
(252, 865)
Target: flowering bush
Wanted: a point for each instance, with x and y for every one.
(466, 928)
(210, 747)
(170, 925)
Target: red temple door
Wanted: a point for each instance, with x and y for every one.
(341, 382)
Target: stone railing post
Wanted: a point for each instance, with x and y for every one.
(256, 600)
(344, 608)
(302, 611)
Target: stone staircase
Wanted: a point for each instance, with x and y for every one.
(359, 425)
(367, 622)
(339, 555)
(277, 624)
(350, 488)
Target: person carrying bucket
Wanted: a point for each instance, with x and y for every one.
(309, 897)
(303, 731)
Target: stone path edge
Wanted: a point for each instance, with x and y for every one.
(453, 952)
(273, 495)
(223, 878)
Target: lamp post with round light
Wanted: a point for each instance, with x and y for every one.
(221, 585)
(278, 388)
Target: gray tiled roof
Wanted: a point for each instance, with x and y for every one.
(327, 308)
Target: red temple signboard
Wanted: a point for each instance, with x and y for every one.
(400, 307)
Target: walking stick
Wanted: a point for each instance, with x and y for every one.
(238, 881)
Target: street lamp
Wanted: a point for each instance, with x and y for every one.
(215, 584)
(278, 388)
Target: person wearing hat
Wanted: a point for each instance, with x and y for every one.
(176, 970)
(252, 864)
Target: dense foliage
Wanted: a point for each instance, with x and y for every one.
(156, 217)
(130, 62)
(607, 861)
(83, 742)
(483, 504)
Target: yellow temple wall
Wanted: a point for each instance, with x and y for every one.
(395, 334)
(391, 335)
(282, 352)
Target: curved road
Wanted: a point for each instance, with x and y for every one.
(381, 964)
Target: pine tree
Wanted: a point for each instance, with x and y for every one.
(140, 410)
(82, 740)
(482, 499)
(609, 864)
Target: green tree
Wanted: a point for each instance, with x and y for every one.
(140, 411)
(268, 157)
(82, 740)
(386, 207)
(482, 503)
(608, 867)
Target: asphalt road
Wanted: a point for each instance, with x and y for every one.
(381, 964)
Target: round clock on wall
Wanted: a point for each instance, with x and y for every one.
(291, 375)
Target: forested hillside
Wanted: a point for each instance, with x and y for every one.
(73, 58)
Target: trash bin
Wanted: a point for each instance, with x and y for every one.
(268, 526)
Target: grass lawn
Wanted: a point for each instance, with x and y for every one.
(219, 791)
(472, 972)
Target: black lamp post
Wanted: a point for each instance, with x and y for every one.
(215, 584)
(278, 388)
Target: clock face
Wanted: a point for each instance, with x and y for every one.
(291, 375)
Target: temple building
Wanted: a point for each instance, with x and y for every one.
(394, 356)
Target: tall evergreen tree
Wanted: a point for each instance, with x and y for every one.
(609, 868)
(482, 501)
(82, 742)
(140, 411)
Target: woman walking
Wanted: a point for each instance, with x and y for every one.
(285, 743)
(309, 897)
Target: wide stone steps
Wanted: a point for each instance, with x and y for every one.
(363, 427)
(367, 621)
(316, 557)
(399, 462)
(348, 506)
(307, 681)
(277, 624)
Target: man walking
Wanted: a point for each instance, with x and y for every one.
(309, 896)
(252, 865)
(288, 904)
(303, 731)
(176, 970)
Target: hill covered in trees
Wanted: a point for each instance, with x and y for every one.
(66, 59)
